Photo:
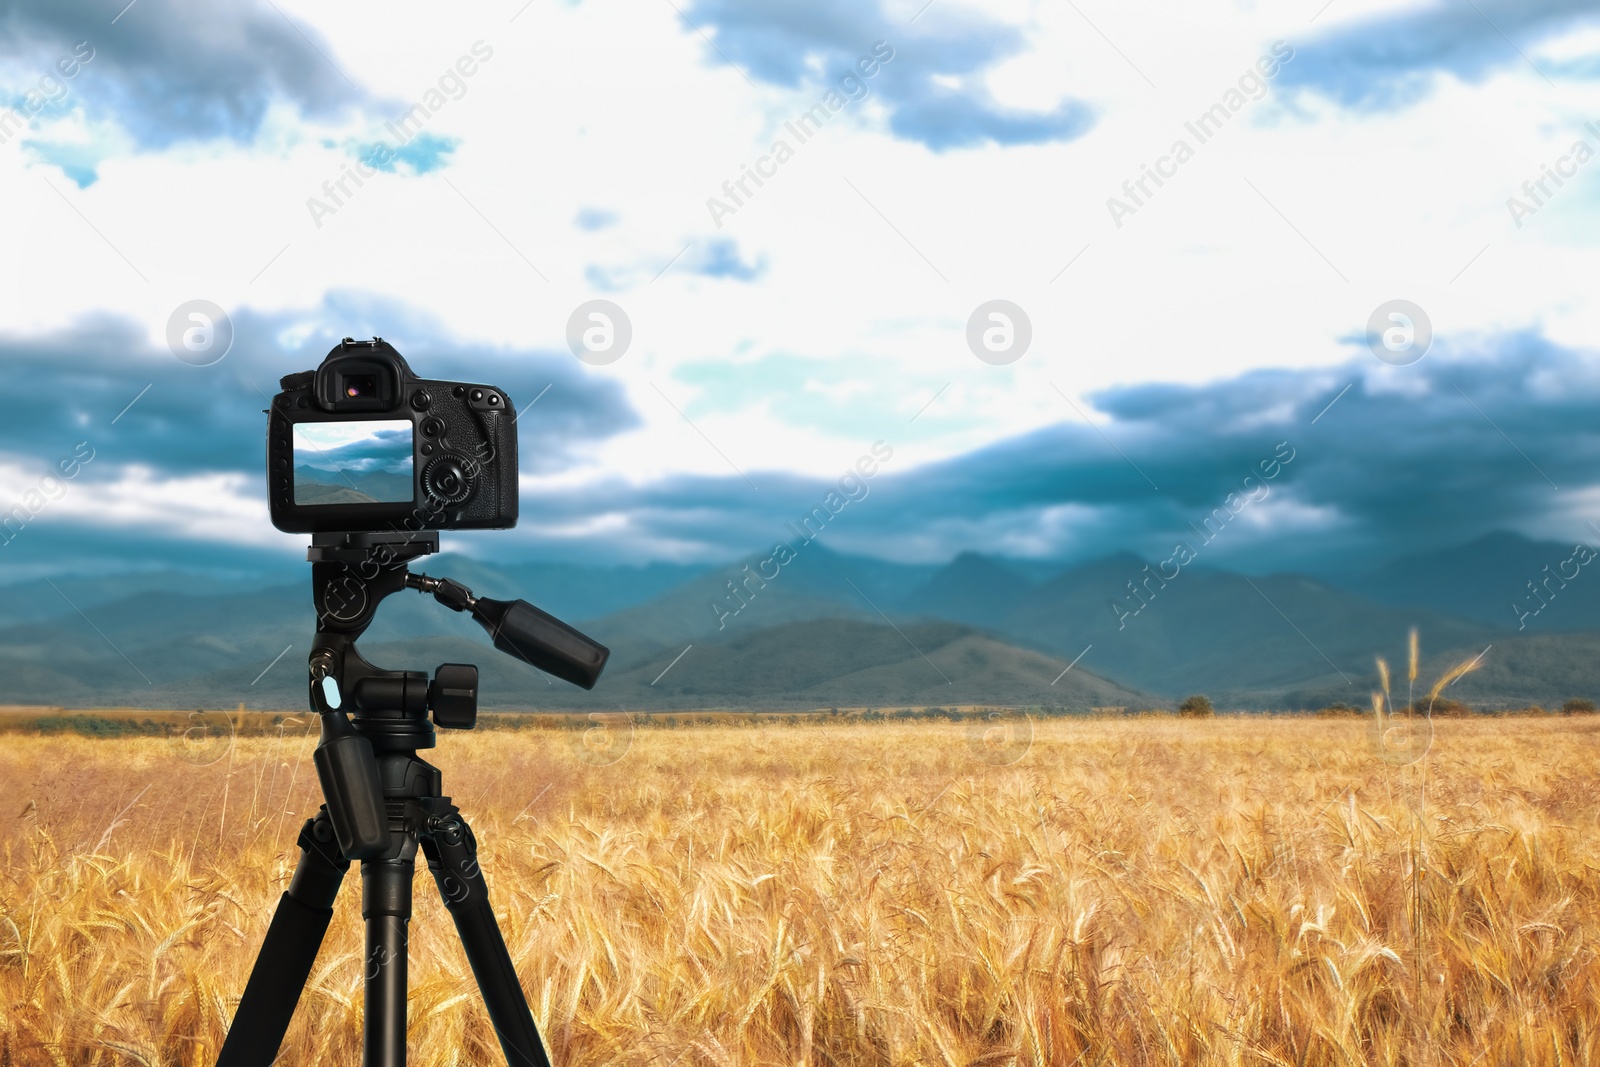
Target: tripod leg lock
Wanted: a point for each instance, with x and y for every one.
(452, 854)
(322, 865)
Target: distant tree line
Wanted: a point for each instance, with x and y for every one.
(1445, 708)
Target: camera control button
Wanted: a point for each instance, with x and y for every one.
(427, 449)
(432, 427)
(421, 401)
(477, 394)
(303, 402)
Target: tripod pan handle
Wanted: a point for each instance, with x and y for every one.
(519, 629)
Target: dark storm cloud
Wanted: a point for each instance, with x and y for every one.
(388, 450)
(797, 44)
(74, 385)
(52, 548)
(1390, 60)
(1464, 442)
(169, 71)
(1501, 433)
(1469, 440)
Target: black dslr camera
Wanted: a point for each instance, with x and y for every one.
(361, 443)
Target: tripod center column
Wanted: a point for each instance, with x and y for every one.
(386, 907)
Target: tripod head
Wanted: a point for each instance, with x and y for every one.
(367, 710)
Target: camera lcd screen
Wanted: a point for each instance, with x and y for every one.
(359, 462)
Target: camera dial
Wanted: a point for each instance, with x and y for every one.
(448, 479)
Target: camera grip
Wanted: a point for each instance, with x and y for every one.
(348, 771)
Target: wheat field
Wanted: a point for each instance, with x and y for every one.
(1236, 891)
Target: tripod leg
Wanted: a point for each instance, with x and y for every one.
(386, 907)
(453, 858)
(286, 956)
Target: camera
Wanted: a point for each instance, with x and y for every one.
(361, 443)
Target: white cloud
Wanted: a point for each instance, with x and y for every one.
(1234, 264)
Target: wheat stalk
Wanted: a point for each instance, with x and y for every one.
(1129, 893)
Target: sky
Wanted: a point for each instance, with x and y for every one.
(1079, 269)
(359, 446)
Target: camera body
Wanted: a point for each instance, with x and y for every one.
(361, 443)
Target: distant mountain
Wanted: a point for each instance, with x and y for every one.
(791, 666)
(37, 599)
(1546, 669)
(150, 639)
(1515, 671)
(841, 662)
(165, 649)
(565, 590)
(315, 486)
(819, 629)
(1201, 631)
(1488, 580)
(973, 588)
(115, 651)
(733, 600)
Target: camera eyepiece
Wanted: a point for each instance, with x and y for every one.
(362, 376)
(360, 385)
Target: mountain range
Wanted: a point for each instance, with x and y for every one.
(825, 629)
(312, 485)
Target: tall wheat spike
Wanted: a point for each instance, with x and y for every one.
(1416, 784)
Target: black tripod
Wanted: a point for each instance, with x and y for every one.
(382, 802)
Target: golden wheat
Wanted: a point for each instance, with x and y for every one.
(1129, 892)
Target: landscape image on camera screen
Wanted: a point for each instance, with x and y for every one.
(353, 462)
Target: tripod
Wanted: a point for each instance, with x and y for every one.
(383, 803)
